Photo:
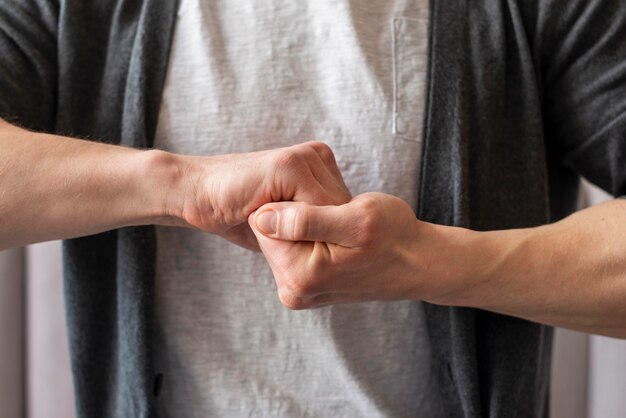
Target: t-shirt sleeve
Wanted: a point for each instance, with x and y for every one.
(28, 62)
(582, 62)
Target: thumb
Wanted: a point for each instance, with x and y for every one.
(296, 221)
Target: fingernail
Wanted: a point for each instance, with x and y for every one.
(266, 222)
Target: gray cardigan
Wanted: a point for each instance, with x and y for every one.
(523, 97)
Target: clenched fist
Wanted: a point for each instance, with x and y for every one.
(371, 248)
(220, 192)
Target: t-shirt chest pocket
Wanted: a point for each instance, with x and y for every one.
(410, 61)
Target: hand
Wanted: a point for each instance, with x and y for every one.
(373, 248)
(222, 191)
(361, 251)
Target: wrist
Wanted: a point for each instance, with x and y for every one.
(164, 181)
(487, 266)
(461, 265)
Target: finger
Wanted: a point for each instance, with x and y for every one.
(328, 157)
(317, 185)
(333, 185)
(285, 258)
(311, 191)
(293, 180)
(243, 236)
(294, 221)
(329, 172)
(302, 174)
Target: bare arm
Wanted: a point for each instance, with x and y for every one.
(571, 273)
(54, 187)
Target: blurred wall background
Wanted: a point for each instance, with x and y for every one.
(589, 372)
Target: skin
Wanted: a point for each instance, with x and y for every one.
(76, 188)
(570, 274)
(326, 247)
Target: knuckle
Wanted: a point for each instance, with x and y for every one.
(324, 151)
(300, 223)
(370, 220)
(302, 286)
(368, 204)
(292, 302)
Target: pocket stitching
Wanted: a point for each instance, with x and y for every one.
(396, 93)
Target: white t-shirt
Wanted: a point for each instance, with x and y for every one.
(248, 75)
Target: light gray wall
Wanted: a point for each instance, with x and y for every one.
(607, 378)
(49, 384)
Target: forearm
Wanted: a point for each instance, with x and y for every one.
(570, 274)
(54, 187)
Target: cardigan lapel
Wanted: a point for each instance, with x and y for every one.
(483, 167)
(109, 284)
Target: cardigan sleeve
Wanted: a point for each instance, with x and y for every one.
(581, 56)
(28, 62)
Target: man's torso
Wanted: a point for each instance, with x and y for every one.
(247, 76)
